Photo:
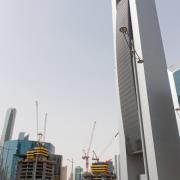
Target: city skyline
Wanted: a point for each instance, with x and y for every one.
(36, 64)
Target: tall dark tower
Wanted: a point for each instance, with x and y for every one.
(149, 136)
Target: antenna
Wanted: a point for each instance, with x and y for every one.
(45, 125)
(37, 118)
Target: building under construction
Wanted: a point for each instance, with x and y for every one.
(100, 170)
(36, 165)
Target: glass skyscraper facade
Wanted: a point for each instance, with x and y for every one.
(78, 173)
(12, 152)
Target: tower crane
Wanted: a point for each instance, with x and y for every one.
(109, 144)
(40, 136)
(95, 157)
(45, 126)
(86, 153)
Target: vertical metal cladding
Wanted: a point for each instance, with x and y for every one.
(158, 128)
(126, 81)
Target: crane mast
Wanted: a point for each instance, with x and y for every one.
(45, 126)
(86, 154)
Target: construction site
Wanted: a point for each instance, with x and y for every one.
(99, 169)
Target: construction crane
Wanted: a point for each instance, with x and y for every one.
(86, 154)
(72, 167)
(37, 118)
(95, 158)
(105, 149)
(45, 126)
(40, 136)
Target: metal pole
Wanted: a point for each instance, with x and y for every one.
(72, 166)
(45, 124)
(135, 56)
(139, 109)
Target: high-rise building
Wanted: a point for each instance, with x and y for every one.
(78, 173)
(8, 125)
(148, 131)
(12, 152)
(36, 165)
(174, 80)
(64, 173)
(58, 164)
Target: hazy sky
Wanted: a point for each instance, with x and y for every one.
(60, 53)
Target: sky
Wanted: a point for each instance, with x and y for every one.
(60, 53)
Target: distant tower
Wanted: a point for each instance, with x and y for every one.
(78, 173)
(8, 125)
(64, 173)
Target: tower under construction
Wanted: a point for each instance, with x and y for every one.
(36, 165)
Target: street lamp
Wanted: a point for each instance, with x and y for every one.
(136, 58)
(133, 52)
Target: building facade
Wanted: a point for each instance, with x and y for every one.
(64, 173)
(149, 142)
(174, 80)
(58, 164)
(8, 126)
(78, 173)
(36, 165)
(12, 152)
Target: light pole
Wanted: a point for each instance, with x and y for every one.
(72, 167)
(137, 59)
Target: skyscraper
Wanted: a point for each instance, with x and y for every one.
(78, 173)
(148, 130)
(8, 125)
(58, 164)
